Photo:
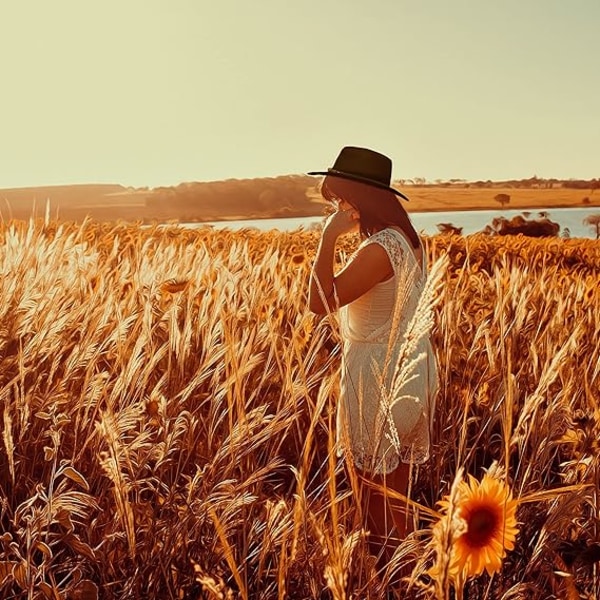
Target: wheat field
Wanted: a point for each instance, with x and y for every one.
(168, 415)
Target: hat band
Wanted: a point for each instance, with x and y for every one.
(359, 176)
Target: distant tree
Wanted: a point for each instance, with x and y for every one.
(448, 228)
(586, 200)
(582, 184)
(594, 222)
(503, 199)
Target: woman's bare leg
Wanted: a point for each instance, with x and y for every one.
(388, 519)
(398, 481)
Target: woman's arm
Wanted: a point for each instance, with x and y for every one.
(370, 266)
(322, 293)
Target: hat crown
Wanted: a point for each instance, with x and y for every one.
(365, 164)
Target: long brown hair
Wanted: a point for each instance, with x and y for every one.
(378, 208)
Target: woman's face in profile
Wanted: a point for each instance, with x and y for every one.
(342, 205)
(333, 192)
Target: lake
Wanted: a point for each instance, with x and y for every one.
(426, 222)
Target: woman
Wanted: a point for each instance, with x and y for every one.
(385, 407)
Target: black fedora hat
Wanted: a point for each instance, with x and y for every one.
(364, 165)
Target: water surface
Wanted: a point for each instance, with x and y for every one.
(471, 221)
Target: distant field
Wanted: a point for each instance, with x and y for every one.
(450, 199)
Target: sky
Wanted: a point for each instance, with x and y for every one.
(158, 92)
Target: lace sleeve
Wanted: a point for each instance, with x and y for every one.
(392, 245)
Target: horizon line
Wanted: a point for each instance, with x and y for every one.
(409, 181)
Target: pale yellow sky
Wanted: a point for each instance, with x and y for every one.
(156, 92)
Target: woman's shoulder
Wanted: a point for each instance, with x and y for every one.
(395, 243)
(390, 240)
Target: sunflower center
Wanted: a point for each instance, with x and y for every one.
(481, 526)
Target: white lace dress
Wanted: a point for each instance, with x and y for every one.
(379, 424)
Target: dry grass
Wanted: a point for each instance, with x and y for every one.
(168, 407)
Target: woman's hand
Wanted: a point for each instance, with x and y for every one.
(341, 222)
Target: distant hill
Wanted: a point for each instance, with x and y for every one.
(287, 195)
(69, 201)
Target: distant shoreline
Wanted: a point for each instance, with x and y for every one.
(519, 206)
(437, 209)
(267, 199)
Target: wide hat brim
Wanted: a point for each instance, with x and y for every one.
(364, 165)
(336, 173)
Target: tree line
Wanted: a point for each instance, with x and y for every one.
(530, 182)
(285, 196)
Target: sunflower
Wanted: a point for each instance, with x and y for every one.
(482, 528)
(298, 258)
